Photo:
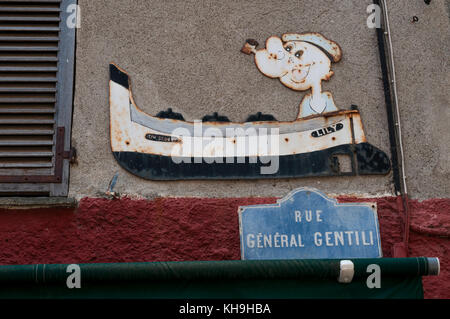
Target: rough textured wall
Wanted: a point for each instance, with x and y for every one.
(186, 55)
(183, 229)
(422, 61)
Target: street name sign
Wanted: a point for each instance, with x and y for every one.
(306, 224)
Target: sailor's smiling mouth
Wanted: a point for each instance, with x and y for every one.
(299, 75)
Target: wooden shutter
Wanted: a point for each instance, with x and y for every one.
(36, 84)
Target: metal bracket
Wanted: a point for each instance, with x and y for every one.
(71, 155)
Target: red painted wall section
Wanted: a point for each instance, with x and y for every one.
(429, 236)
(182, 229)
(430, 229)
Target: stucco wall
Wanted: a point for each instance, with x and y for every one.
(186, 55)
(422, 60)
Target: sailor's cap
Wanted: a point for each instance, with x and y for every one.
(330, 47)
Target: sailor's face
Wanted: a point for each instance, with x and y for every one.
(299, 65)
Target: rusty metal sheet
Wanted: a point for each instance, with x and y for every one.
(167, 147)
(301, 62)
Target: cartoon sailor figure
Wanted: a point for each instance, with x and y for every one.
(301, 62)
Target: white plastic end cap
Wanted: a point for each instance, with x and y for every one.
(347, 271)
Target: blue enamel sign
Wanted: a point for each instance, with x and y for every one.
(306, 224)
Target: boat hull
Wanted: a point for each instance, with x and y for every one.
(167, 149)
(365, 159)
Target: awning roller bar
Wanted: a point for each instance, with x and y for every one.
(210, 270)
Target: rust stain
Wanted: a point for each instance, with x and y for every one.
(249, 46)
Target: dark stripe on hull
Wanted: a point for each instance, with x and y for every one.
(116, 75)
(368, 160)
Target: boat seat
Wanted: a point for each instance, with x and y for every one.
(215, 118)
(169, 114)
(259, 117)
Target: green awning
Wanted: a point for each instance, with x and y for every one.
(275, 279)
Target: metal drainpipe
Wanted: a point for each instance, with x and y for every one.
(393, 111)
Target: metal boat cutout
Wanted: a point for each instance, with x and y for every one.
(166, 147)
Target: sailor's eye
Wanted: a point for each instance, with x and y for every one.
(298, 54)
(288, 48)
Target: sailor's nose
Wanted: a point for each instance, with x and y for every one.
(280, 55)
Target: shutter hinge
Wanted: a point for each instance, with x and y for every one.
(71, 155)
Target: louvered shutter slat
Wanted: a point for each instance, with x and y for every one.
(7, 58)
(27, 9)
(27, 38)
(27, 110)
(25, 142)
(32, 153)
(27, 19)
(21, 120)
(35, 95)
(27, 69)
(28, 29)
(26, 100)
(24, 48)
(25, 163)
(26, 131)
(26, 90)
(10, 79)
